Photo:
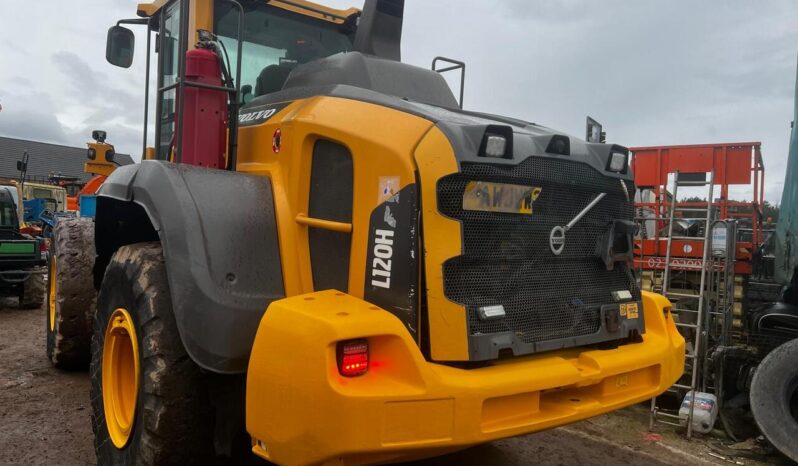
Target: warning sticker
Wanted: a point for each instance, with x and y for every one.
(389, 186)
(630, 310)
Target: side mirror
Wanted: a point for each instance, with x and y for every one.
(119, 46)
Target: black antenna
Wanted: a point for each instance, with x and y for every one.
(22, 166)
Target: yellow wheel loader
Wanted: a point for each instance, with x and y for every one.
(324, 259)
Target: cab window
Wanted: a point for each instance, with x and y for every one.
(39, 193)
(275, 41)
(170, 58)
(8, 215)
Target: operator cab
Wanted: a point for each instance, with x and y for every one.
(265, 48)
(9, 222)
(12, 191)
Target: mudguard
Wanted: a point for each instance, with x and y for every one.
(219, 238)
(775, 319)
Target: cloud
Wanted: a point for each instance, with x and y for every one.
(19, 119)
(655, 73)
(34, 125)
(552, 11)
(82, 78)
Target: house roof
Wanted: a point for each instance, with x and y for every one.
(45, 159)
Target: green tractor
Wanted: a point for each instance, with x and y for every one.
(22, 258)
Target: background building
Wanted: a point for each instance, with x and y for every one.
(46, 160)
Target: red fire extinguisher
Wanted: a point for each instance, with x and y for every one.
(204, 112)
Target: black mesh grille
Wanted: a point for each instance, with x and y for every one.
(507, 259)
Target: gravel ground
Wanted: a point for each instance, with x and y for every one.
(45, 419)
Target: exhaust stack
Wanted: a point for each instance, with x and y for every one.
(380, 30)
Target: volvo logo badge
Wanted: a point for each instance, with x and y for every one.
(557, 240)
(557, 235)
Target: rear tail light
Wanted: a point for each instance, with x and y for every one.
(353, 357)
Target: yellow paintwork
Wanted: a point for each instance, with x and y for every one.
(406, 407)
(100, 165)
(51, 282)
(146, 10)
(351, 123)
(200, 17)
(120, 376)
(442, 240)
(150, 9)
(332, 11)
(303, 219)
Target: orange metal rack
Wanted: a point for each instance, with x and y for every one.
(738, 163)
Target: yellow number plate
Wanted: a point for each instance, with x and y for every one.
(500, 197)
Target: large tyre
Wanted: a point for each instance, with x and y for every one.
(32, 292)
(149, 399)
(774, 398)
(71, 295)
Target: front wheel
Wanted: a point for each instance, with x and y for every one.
(149, 399)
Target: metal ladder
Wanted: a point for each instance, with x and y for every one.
(696, 330)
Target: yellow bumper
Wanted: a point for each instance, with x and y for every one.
(301, 411)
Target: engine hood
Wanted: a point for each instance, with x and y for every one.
(423, 92)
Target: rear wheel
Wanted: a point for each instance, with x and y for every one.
(70, 294)
(32, 292)
(149, 399)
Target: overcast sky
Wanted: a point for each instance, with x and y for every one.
(654, 73)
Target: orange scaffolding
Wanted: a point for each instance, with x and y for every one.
(738, 163)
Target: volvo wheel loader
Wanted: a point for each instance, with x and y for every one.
(324, 255)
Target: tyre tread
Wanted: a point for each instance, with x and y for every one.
(174, 423)
(73, 249)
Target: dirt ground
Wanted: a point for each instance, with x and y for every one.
(45, 419)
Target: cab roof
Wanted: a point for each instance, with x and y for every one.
(303, 7)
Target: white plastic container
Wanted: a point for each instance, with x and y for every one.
(704, 413)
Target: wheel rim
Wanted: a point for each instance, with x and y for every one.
(51, 282)
(120, 380)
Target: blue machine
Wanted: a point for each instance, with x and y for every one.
(88, 205)
(34, 209)
(37, 211)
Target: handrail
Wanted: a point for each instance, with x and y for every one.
(457, 65)
(340, 227)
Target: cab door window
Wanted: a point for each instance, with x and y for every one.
(169, 62)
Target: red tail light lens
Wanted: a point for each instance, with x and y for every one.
(353, 357)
